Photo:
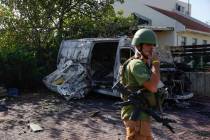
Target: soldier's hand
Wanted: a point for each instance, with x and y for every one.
(155, 57)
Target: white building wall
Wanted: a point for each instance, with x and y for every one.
(166, 38)
(158, 19)
(169, 5)
(185, 5)
(138, 6)
(179, 27)
(163, 4)
(191, 35)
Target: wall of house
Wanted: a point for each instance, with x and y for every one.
(158, 19)
(163, 4)
(185, 5)
(138, 6)
(190, 36)
(166, 38)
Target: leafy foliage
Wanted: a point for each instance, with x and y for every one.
(31, 32)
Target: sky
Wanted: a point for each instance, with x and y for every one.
(200, 9)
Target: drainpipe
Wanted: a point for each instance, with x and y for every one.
(177, 40)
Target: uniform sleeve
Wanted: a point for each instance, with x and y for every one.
(139, 71)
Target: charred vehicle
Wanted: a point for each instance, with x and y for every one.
(92, 64)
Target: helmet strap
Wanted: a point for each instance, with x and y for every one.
(140, 53)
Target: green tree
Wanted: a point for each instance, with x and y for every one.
(44, 23)
(33, 29)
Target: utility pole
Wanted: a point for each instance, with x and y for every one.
(188, 7)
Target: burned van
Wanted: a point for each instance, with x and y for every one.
(91, 64)
(86, 65)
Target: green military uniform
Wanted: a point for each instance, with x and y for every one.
(135, 74)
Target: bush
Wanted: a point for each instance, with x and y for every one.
(24, 66)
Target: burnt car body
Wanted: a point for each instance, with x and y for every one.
(92, 64)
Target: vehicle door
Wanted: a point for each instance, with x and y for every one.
(124, 52)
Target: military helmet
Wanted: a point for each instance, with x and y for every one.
(144, 36)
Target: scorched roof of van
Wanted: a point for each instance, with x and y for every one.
(96, 39)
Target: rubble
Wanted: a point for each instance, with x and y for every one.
(73, 120)
(35, 127)
(13, 92)
(71, 77)
(94, 114)
(70, 81)
(3, 92)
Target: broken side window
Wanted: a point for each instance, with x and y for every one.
(102, 63)
(125, 54)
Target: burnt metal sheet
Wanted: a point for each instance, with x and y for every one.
(71, 81)
(75, 50)
(71, 77)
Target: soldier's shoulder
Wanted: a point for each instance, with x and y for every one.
(136, 62)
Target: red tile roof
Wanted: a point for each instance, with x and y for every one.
(188, 22)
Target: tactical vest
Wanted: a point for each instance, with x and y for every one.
(154, 100)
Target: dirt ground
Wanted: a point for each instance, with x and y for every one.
(92, 118)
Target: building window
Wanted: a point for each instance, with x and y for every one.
(180, 8)
(194, 41)
(142, 20)
(204, 42)
(183, 41)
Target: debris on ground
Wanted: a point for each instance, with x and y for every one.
(94, 114)
(35, 127)
(13, 92)
(3, 108)
(3, 92)
(71, 120)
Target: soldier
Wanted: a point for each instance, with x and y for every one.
(141, 72)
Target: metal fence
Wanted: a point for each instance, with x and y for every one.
(195, 56)
(200, 82)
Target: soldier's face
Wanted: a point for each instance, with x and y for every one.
(147, 50)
